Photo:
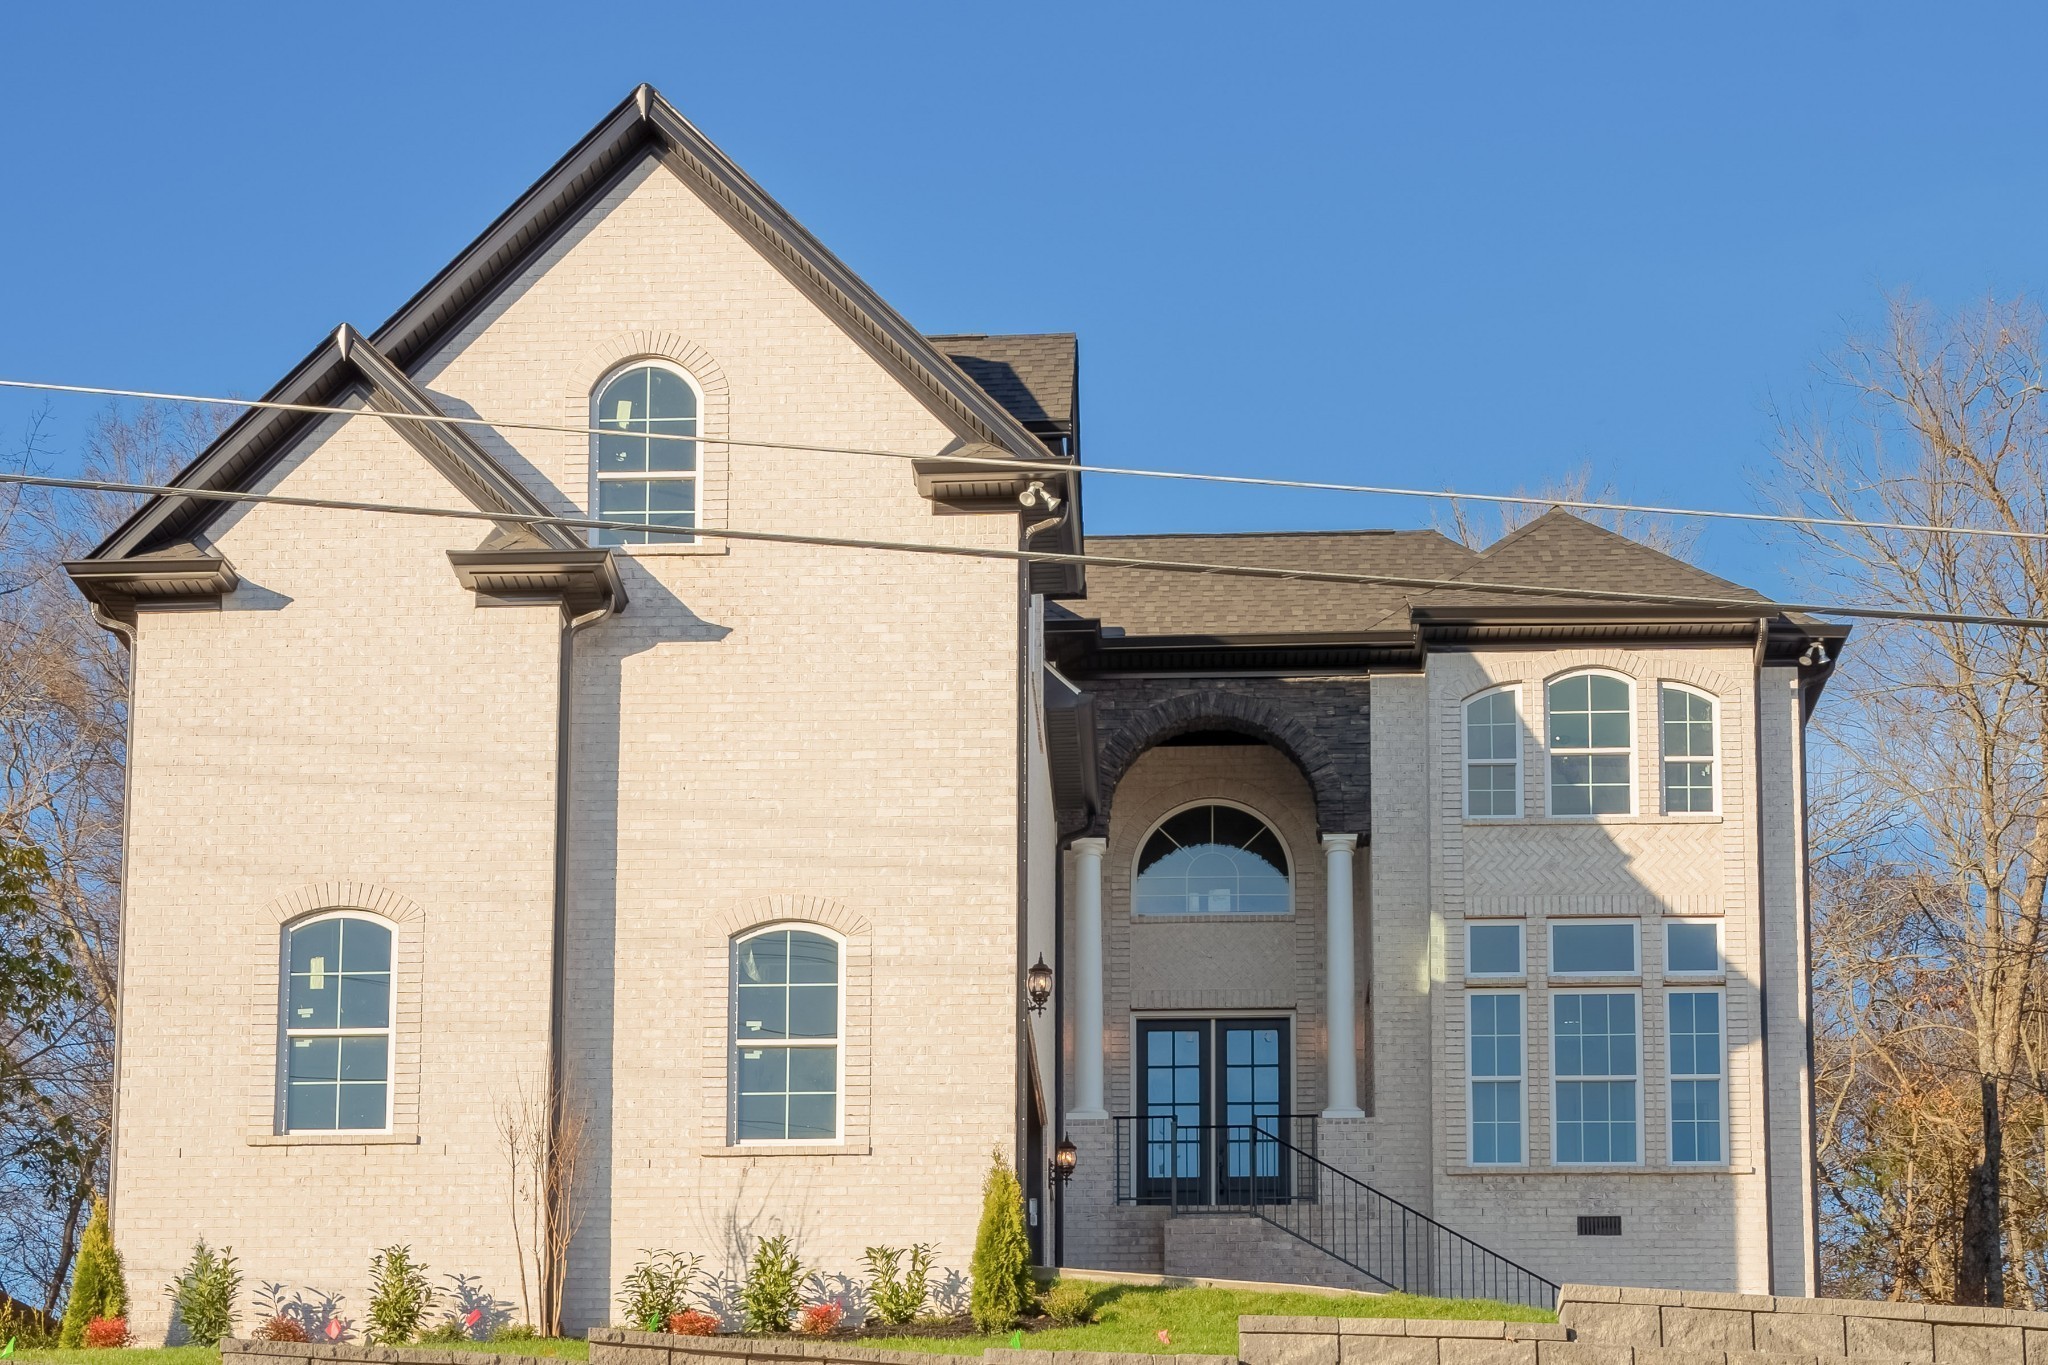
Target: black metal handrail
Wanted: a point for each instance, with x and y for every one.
(1290, 1187)
(1196, 1166)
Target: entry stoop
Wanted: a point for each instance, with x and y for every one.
(1227, 1246)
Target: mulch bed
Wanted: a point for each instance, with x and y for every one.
(962, 1326)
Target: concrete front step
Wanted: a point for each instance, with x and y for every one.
(1226, 1246)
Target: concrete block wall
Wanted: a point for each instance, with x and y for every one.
(1814, 1330)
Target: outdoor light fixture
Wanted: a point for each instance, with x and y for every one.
(1038, 985)
(1065, 1158)
(1816, 654)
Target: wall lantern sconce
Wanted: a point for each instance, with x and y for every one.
(1038, 985)
(1065, 1158)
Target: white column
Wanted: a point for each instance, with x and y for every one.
(1088, 980)
(1339, 940)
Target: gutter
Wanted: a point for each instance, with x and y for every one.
(126, 633)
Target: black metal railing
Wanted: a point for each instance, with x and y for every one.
(1264, 1169)
(1191, 1166)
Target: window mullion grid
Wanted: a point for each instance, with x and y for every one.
(1705, 1046)
(1609, 1078)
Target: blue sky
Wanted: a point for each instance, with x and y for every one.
(1474, 246)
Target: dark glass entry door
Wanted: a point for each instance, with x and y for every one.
(1213, 1096)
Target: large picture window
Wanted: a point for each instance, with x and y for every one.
(1494, 1065)
(1493, 756)
(1591, 746)
(1696, 1075)
(337, 1025)
(785, 1036)
(1213, 860)
(1594, 1064)
(641, 472)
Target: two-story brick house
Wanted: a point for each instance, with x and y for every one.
(1488, 902)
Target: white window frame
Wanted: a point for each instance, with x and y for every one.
(1713, 760)
(1293, 867)
(1556, 1080)
(1720, 970)
(1550, 752)
(694, 476)
(1514, 694)
(1521, 950)
(1550, 945)
(732, 1037)
(286, 1033)
(1472, 1082)
(1671, 1074)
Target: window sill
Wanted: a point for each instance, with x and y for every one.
(335, 1140)
(1468, 1169)
(783, 1149)
(716, 547)
(1137, 918)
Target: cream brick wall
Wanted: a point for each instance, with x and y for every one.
(768, 732)
(1646, 866)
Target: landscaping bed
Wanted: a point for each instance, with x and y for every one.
(1128, 1318)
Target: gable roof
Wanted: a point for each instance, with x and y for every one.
(1155, 603)
(1031, 374)
(1568, 554)
(643, 125)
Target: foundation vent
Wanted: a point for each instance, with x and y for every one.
(1599, 1225)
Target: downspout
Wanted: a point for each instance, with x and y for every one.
(557, 1011)
(126, 633)
(1763, 951)
(1027, 726)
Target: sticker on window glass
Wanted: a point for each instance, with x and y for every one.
(319, 973)
(753, 1056)
(754, 1025)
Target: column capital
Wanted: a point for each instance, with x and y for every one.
(1097, 846)
(1345, 841)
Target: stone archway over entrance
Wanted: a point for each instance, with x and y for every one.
(1321, 728)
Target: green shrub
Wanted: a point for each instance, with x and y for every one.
(98, 1288)
(1070, 1303)
(897, 1296)
(444, 1333)
(1002, 1253)
(515, 1331)
(25, 1327)
(203, 1296)
(657, 1288)
(770, 1297)
(399, 1296)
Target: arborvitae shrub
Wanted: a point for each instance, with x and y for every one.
(1002, 1252)
(98, 1288)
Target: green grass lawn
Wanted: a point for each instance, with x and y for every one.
(1128, 1318)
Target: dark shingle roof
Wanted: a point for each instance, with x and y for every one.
(1148, 602)
(1032, 374)
(1557, 550)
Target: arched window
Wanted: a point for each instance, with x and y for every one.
(1592, 747)
(337, 1024)
(1213, 860)
(1688, 749)
(787, 1001)
(640, 476)
(1493, 755)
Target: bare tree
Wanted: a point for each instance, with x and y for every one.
(541, 1137)
(63, 715)
(1478, 525)
(1934, 934)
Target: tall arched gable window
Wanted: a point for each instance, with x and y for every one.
(337, 1024)
(1689, 749)
(1592, 744)
(1493, 755)
(788, 1020)
(639, 473)
(1213, 860)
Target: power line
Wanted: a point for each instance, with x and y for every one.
(1068, 467)
(1745, 604)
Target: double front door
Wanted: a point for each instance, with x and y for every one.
(1215, 1103)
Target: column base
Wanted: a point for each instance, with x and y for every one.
(1090, 1116)
(1343, 1113)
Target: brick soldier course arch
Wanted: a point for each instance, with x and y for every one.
(1318, 723)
